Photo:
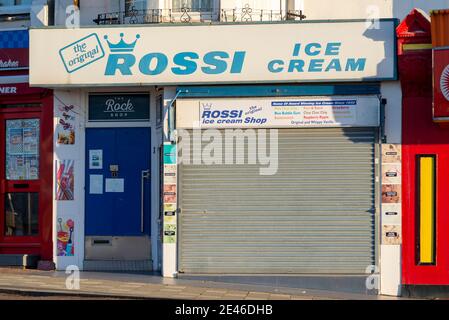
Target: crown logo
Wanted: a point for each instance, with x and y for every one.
(122, 46)
(207, 106)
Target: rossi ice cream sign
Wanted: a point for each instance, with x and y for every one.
(344, 111)
(293, 52)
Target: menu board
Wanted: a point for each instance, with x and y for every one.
(22, 149)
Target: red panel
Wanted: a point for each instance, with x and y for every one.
(422, 136)
(43, 244)
(11, 59)
(17, 89)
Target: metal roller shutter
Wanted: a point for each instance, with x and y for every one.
(316, 215)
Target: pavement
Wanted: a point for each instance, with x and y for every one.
(102, 285)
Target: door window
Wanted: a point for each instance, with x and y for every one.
(22, 149)
(21, 214)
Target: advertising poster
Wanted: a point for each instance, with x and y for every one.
(391, 213)
(169, 153)
(276, 112)
(311, 112)
(65, 243)
(391, 234)
(65, 129)
(170, 193)
(65, 180)
(170, 174)
(30, 140)
(391, 194)
(169, 206)
(391, 173)
(169, 233)
(391, 153)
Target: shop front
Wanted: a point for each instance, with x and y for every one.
(425, 150)
(288, 186)
(26, 157)
(154, 182)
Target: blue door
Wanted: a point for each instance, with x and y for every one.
(117, 182)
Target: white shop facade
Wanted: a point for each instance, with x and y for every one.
(301, 194)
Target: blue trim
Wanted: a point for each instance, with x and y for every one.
(278, 91)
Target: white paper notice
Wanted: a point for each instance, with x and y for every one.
(115, 185)
(96, 184)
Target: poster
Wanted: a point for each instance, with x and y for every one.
(170, 174)
(22, 149)
(96, 184)
(95, 159)
(170, 233)
(170, 193)
(115, 185)
(65, 235)
(391, 234)
(65, 180)
(391, 193)
(170, 217)
(169, 153)
(30, 140)
(65, 128)
(169, 206)
(391, 153)
(391, 213)
(391, 173)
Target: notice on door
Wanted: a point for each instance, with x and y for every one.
(115, 185)
(95, 159)
(96, 184)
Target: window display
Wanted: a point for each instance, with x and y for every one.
(22, 149)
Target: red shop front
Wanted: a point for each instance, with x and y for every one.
(425, 166)
(26, 153)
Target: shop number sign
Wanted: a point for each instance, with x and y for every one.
(123, 107)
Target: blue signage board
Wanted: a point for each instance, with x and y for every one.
(119, 107)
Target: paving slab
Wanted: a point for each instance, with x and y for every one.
(154, 286)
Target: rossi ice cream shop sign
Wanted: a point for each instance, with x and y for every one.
(281, 52)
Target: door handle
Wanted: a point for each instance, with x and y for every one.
(145, 175)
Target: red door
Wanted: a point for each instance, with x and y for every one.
(25, 179)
